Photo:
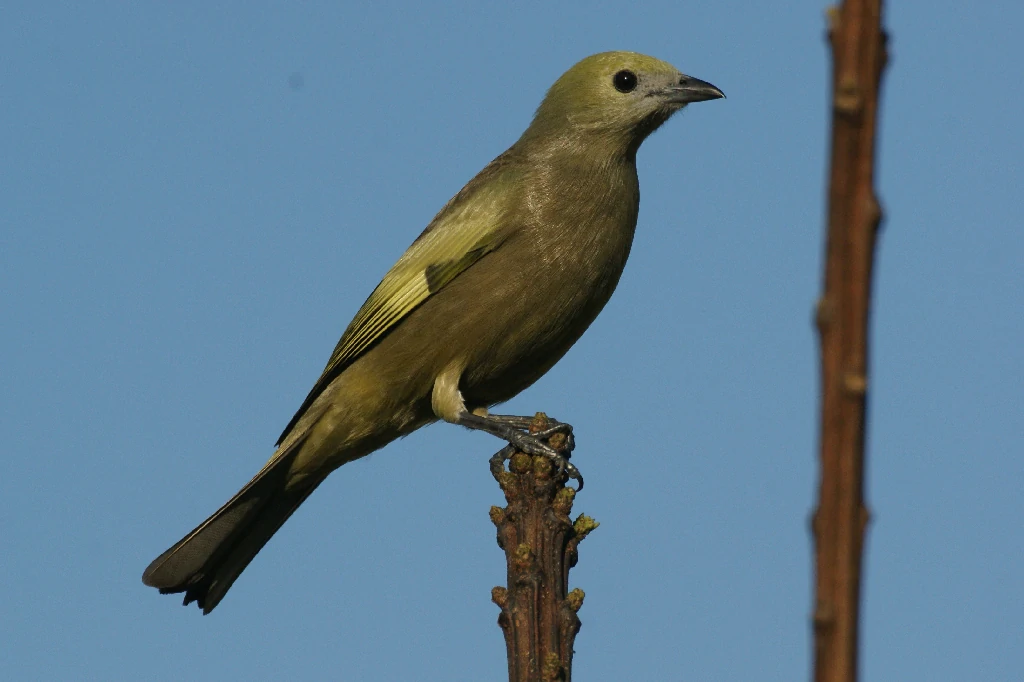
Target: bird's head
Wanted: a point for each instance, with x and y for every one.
(618, 98)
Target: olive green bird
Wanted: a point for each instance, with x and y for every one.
(495, 290)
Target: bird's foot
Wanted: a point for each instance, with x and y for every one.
(530, 425)
(532, 436)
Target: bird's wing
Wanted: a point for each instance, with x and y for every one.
(463, 232)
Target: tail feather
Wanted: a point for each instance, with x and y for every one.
(206, 562)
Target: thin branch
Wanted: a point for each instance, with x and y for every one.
(854, 215)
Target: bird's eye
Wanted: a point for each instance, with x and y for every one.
(624, 81)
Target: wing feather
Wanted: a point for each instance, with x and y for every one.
(469, 227)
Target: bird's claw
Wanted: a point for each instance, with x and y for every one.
(569, 469)
(562, 428)
(519, 433)
(533, 444)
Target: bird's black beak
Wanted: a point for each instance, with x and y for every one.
(690, 89)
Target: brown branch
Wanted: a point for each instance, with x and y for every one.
(859, 56)
(538, 613)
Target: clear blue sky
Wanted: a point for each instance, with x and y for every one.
(183, 237)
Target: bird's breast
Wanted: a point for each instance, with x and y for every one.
(549, 281)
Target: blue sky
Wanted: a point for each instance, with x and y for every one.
(183, 237)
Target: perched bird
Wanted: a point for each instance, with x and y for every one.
(495, 290)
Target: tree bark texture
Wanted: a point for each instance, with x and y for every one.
(538, 612)
(854, 215)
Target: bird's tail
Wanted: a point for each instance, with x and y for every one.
(206, 562)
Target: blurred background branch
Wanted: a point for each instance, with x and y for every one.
(843, 313)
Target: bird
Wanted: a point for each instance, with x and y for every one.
(497, 288)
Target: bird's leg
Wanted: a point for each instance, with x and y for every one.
(514, 430)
